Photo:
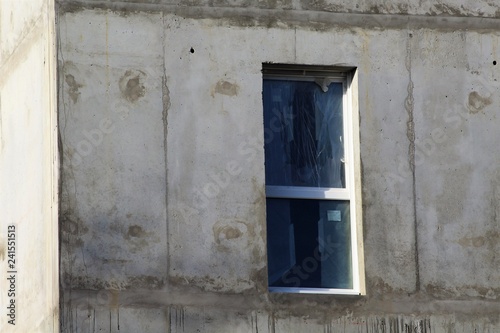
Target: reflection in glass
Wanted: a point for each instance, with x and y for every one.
(303, 134)
(309, 243)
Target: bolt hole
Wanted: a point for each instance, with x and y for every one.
(494, 62)
(192, 50)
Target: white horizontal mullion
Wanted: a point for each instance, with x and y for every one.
(296, 192)
(331, 291)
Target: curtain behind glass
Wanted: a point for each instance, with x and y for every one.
(303, 134)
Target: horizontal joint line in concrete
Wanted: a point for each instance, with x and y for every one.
(426, 306)
(263, 16)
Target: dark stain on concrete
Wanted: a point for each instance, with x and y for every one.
(322, 5)
(477, 102)
(126, 283)
(124, 9)
(203, 283)
(73, 226)
(439, 9)
(376, 10)
(74, 87)
(259, 278)
(115, 261)
(145, 281)
(380, 289)
(131, 85)
(270, 4)
(135, 231)
(138, 239)
(438, 291)
(310, 17)
(70, 227)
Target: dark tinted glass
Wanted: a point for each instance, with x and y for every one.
(309, 243)
(303, 130)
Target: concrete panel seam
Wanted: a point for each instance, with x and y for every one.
(166, 107)
(307, 18)
(410, 133)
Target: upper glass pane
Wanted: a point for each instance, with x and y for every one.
(303, 133)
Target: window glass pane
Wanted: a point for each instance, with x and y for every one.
(303, 131)
(309, 243)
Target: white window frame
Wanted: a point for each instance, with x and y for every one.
(352, 190)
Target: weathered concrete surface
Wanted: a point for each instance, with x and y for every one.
(457, 169)
(470, 8)
(211, 320)
(184, 158)
(28, 167)
(113, 153)
(221, 318)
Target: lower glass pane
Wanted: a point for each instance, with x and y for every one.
(309, 243)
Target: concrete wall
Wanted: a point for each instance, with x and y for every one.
(28, 168)
(158, 100)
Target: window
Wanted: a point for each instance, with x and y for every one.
(312, 176)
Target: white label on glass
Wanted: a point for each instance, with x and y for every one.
(334, 216)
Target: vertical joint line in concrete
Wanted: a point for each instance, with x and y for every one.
(69, 319)
(410, 133)
(166, 106)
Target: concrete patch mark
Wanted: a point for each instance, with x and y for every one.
(480, 240)
(473, 241)
(74, 87)
(477, 102)
(224, 233)
(231, 233)
(138, 239)
(226, 88)
(73, 226)
(131, 85)
(227, 232)
(135, 231)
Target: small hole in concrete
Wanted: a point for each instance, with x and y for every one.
(192, 50)
(494, 62)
